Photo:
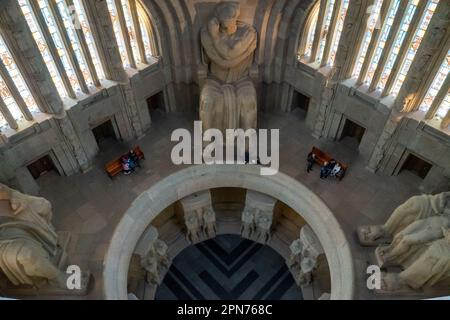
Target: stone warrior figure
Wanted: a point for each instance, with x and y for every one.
(28, 241)
(431, 268)
(228, 96)
(420, 245)
(415, 208)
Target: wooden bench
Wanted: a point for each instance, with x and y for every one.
(114, 167)
(322, 158)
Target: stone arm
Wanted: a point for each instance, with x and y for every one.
(213, 54)
(230, 50)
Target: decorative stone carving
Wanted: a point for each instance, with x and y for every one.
(156, 262)
(32, 253)
(257, 217)
(304, 253)
(420, 244)
(228, 96)
(415, 208)
(148, 265)
(199, 217)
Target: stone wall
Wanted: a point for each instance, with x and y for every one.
(279, 23)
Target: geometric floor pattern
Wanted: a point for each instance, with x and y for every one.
(228, 267)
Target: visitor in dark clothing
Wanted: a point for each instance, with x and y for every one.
(311, 160)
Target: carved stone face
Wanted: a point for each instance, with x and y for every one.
(229, 27)
(228, 13)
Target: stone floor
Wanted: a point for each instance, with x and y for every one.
(230, 268)
(90, 205)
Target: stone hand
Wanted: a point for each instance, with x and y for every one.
(214, 28)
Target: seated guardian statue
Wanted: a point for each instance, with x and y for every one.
(228, 96)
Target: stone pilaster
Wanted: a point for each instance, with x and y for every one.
(348, 47)
(105, 39)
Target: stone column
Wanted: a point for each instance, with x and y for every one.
(199, 217)
(429, 57)
(257, 217)
(304, 253)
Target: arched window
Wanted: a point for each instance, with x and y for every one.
(308, 34)
(436, 102)
(323, 31)
(133, 31)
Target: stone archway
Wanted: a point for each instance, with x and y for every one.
(203, 177)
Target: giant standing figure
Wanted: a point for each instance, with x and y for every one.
(228, 96)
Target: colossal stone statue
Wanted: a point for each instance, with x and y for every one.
(415, 208)
(430, 269)
(420, 244)
(29, 247)
(412, 241)
(228, 96)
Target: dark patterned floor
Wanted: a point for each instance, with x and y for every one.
(228, 267)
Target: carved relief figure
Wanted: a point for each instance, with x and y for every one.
(199, 217)
(257, 217)
(303, 257)
(228, 96)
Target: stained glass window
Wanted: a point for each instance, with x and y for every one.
(414, 46)
(445, 106)
(400, 37)
(436, 85)
(145, 38)
(373, 22)
(382, 41)
(326, 26)
(3, 123)
(311, 32)
(42, 45)
(68, 24)
(339, 27)
(17, 78)
(117, 32)
(130, 28)
(84, 24)
(52, 28)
